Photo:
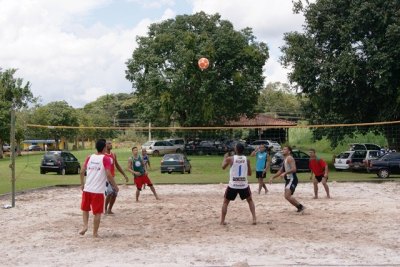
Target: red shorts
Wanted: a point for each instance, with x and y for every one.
(92, 201)
(141, 180)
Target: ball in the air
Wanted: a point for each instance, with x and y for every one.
(203, 63)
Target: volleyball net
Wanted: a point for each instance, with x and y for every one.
(333, 137)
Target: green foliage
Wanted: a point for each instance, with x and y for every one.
(347, 63)
(13, 94)
(279, 98)
(57, 113)
(170, 86)
(303, 138)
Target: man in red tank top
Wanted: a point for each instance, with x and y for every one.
(319, 169)
(111, 193)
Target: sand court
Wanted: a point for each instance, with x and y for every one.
(359, 226)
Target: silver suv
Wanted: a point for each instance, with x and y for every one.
(179, 142)
(157, 148)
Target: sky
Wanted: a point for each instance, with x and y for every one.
(77, 50)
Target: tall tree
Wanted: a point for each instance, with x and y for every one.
(280, 98)
(13, 94)
(347, 62)
(171, 87)
(57, 113)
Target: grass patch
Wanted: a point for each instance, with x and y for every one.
(205, 170)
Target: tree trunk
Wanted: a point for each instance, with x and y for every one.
(19, 153)
(392, 135)
(1, 150)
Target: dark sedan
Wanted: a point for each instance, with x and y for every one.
(301, 158)
(61, 162)
(386, 165)
(175, 163)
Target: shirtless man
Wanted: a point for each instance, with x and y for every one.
(111, 194)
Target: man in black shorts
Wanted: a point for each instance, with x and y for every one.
(238, 183)
(288, 172)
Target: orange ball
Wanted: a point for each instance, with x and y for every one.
(203, 63)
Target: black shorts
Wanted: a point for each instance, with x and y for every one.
(319, 178)
(291, 183)
(260, 175)
(231, 193)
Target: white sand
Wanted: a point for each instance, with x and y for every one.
(359, 226)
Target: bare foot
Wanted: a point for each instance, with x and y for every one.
(254, 223)
(96, 235)
(110, 212)
(223, 223)
(328, 196)
(266, 191)
(158, 198)
(83, 231)
(315, 197)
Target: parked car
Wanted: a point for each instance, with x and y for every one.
(175, 163)
(386, 165)
(179, 142)
(343, 160)
(360, 159)
(275, 146)
(35, 148)
(229, 146)
(364, 146)
(62, 162)
(301, 158)
(205, 147)
(158, 148)
(6, 148)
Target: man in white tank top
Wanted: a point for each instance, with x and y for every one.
(238, 183)
(288, 172)
(98, 170)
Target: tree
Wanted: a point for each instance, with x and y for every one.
(279, 98)
(13, 94)
(169, 85)
(347, 62)
(57, 113)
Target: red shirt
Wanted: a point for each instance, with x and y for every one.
(317, 166)
(112, 157)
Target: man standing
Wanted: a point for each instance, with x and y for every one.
(98, 171)
(262, 165)
(111, 193)
(319, 169)
(238, 183)
(288, 172)
(136, 167)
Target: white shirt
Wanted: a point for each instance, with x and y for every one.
(96, 175)
(238, 173)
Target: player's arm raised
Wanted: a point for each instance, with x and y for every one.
(227, 161)
(248, 168)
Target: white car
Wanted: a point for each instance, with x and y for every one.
(6, 148)
(343, 160)
(275, 146)
(158, 148)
